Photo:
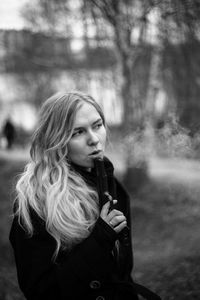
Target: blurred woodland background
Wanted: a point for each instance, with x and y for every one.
(140, 59)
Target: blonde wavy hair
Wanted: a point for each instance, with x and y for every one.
(48, 186)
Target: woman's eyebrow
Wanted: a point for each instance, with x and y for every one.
(97, 121)
(82, 126)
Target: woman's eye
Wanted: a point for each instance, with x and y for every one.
(98, 125)
(77, 133)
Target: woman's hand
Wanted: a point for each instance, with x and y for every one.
(114, 218)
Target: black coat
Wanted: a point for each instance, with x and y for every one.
(89, 271)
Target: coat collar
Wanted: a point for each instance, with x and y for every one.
(91, 177)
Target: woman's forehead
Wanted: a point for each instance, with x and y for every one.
(86, 114)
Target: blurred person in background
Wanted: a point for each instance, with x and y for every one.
(9, 133)
(66, 245)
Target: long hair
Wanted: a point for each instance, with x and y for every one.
(48, 186)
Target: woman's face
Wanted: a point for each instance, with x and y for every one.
(88, 138)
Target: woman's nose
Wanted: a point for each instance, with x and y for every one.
(92, 138)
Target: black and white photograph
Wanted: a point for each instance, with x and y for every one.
(99, 149)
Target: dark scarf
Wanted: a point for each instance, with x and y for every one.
(91, 177)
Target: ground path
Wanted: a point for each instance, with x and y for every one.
(16, 154)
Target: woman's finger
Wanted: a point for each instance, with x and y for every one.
(105, 209)
(120, 227)
(114, 213)
(117, 220)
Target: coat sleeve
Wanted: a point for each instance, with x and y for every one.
(72, 273)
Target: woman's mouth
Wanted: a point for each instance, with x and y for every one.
(96, 153)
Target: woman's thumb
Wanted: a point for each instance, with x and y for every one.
(105, 208)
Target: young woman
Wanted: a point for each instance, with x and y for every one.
(67, 244)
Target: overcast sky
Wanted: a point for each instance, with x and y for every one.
(10, 14)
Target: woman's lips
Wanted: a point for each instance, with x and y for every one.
(96, 153)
